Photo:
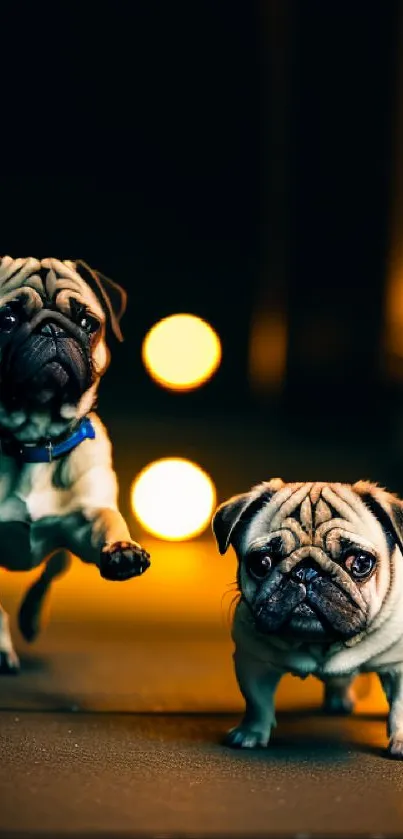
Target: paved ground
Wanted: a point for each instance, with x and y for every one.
(135, 773)
(115, 723)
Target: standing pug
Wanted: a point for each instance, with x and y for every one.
(320, 576)
(58, 490)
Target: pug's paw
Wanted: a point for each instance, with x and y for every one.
(245, 737)
(9, 663)
(395, 748)
(123, 560)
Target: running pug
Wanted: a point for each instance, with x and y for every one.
(320, 575)
(58, 489)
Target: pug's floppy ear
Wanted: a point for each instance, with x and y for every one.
(386, 507)
(229, 514)
(112, 296)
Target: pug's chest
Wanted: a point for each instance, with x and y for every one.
(300, 659)
(32, 504)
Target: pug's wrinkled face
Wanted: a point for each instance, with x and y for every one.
(52, 341)
(314, 558)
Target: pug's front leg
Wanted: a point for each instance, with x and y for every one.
(257, 681)
(120, 557)
(102, 537)
(392, 684)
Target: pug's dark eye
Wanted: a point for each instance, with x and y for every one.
(83, 318)
(360, 565)
(8, 319)
(88, 323)
(258, 565)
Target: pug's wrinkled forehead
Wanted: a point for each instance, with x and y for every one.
(295, 517)
(327, 516)
(49, 281)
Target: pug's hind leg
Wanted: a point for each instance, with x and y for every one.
(339, 695)
(30, 613)
(257, 682)
(9, 663)
(392, 684)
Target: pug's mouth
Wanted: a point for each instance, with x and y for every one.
(307, 623)
(45, 372)
(319, 610)
(53, 385)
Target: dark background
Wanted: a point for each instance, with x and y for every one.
(220, 158)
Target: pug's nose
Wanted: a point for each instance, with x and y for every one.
(51, 330)
(305, 572)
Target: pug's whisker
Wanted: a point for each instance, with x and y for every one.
(236, 595)
(229, 612)
(232, 606)
(233, 586)
(227, 594)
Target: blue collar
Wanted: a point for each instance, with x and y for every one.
(31, 453)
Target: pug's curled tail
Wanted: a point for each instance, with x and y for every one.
(29, 616)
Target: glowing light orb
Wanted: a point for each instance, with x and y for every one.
(181, 352)
(173, 499)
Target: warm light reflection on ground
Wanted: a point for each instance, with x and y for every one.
(186, 582)
(158, 642)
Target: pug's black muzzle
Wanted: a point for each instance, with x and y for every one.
(45, 362)
(307, 596)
